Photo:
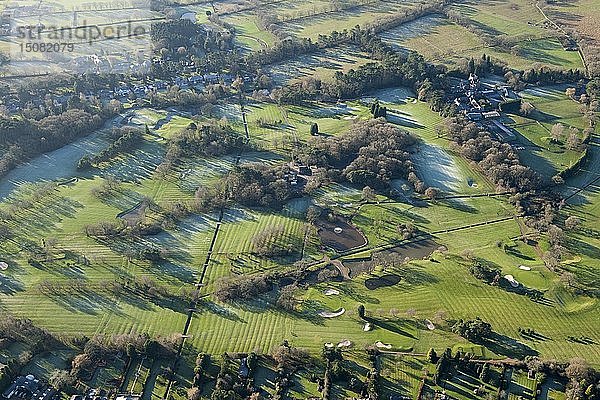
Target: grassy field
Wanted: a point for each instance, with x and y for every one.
(325, 23)
(322, 64)
(581, 19)
(407, 318)
(249, 34)
(552, 106)
(448, 43)
(428, 287)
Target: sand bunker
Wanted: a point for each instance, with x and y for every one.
(367, 327)
(331, 292)
(383, 345)
(329, 345)
(344, 343)
(524, 268)
(511, 279)
(329, 314)
(340, 235)
(3, 266)
(185, 173)
(429, 324)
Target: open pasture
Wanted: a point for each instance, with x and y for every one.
(322, 64)
(517, 18)
(448, 43)
(325, 23)
(579, 16)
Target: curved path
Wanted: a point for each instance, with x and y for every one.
(261, 42)
(560, 29)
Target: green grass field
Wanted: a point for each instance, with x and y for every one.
(448, 43)
(437, 289)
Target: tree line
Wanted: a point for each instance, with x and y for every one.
(124, 140)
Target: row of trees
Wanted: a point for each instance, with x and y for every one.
(212, 138)
(499, 161)
(124, 140)
(24, 138)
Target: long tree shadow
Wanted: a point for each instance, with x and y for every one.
(211, 307)
(507, 346)
(10, 285)
(398, 326)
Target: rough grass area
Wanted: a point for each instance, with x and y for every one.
(448, 43)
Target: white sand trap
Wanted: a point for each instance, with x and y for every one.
(3, 266)
(329, 345)
(185, 173)
(329, 314)
(429, 324)
(331, 292)
(524, 268)
(344, 343)
(367, 327)
(383, 345)
(511, 279)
